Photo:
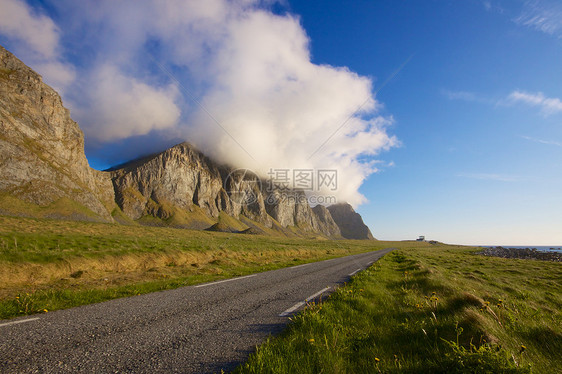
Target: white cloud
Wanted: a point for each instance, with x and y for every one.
(57, 74)
(40, 37)
(542, 141)
(282, 108)
(19, 21)
(542, 15)
(249, 69)
(119, 106)
(547, 105)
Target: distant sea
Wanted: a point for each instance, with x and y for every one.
(541, 248)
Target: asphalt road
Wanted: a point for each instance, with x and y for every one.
(196, 329)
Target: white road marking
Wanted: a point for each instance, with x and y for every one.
(223, 281)
(298, 266)
(291, 309)
(18, 322)
(299, 304)
(355, 272)
(317, 294)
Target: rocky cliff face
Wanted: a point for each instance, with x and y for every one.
(41, 148)
(42, 163)
(325, 222)
(291, 208)
(181, 180)
(350, 223)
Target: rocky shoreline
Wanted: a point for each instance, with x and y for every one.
(525, 254)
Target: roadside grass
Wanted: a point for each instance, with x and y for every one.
(428, 310)
(50, 264)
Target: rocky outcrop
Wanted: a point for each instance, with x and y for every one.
(350, 223)
(183, 179)
(289, 207)
(42, 158)
(522, 253)
(325, 223)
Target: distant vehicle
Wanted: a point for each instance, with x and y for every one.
(421, 238)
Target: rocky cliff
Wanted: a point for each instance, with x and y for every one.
(182, 187)
(44, 172)
(350, 223)
(325, 223)
(42, 159)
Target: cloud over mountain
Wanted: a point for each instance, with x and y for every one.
(232, 77)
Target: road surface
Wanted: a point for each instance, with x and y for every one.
(196, 329)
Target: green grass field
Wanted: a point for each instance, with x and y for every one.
(49, 264)
(422, 308)
(428, 310)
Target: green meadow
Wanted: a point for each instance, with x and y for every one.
(54, 264)
(421, 309)
(440, 309)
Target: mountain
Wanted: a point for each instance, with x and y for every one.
(45, 173)
(42, 162)
(350, 223)
(182, 187)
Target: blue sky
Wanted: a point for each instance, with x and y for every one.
(476, 165)
(462, 145)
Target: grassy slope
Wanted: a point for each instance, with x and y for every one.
(61, 208)
(50, 264)
(434, 310)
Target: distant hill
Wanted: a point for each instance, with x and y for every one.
(45, 173)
